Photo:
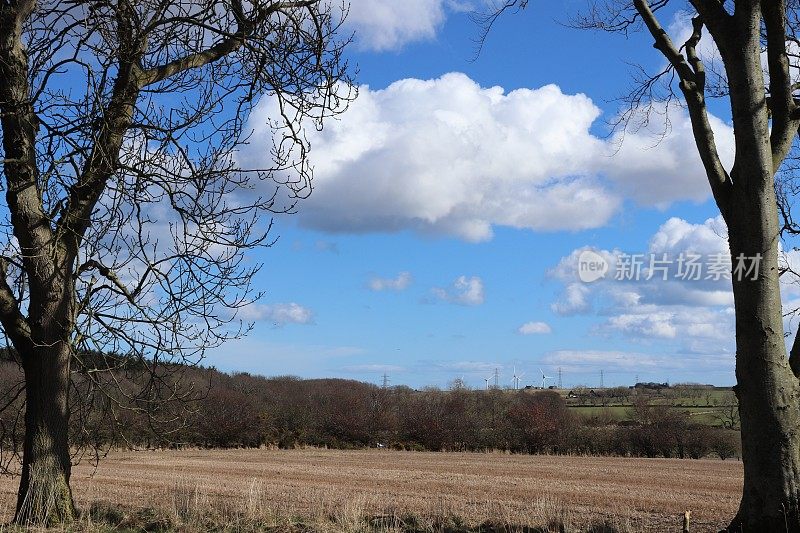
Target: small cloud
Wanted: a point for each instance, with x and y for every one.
(279, 314)
(464, 291)
(401, 282)
(660, 325)
(573, 301)
(381, 25)
(534, 328)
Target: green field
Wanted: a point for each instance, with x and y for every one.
(714, 407)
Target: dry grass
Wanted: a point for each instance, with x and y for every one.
(369, 490)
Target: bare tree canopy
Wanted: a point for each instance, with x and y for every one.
(127, 209)
(754, 66)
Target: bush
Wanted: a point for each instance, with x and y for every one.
(725, 443)
(698, 441)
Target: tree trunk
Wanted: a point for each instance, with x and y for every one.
(45, 497)
(767, 389)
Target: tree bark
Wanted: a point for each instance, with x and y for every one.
(767, 389)
(45, 497)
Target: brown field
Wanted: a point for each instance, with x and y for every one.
(634, 494)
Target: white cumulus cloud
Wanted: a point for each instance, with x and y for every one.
(399, 283)
(689, 315)
(656, 162)
(390, 24)
(649, 325)
(574, 300)
(448, 157)
(279, 314)
(463, 291)
(534, 328)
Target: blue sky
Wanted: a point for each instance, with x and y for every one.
(442, 237)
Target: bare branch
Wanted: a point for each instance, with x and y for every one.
(11, 318)
(692, 84)
(784, 109)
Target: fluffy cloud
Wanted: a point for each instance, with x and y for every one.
(690, 317)
(693, 317)
(279, 314)
(573, 300)
(389, 24)
(534, 328)
(447, 156)
(464, 291)
(401, 282)
(381, 25)
(677, 235)
(651, 325)
(656, 160)
(656, 275)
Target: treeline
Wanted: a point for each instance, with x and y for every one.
(245, 410)
(242, 410)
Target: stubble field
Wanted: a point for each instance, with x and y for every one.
(350, 486)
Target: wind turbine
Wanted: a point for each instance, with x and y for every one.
(544, 378)
(516, 378)
(487, 382)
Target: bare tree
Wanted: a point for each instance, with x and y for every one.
(758, 47)
(727, 416)
(128, 209)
